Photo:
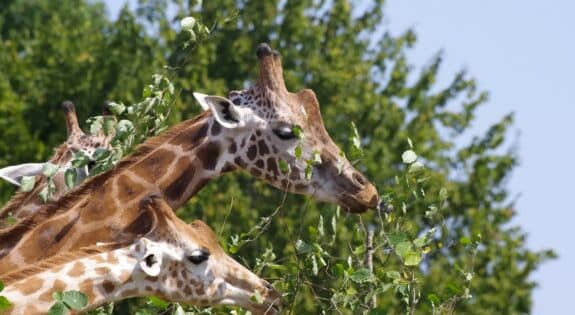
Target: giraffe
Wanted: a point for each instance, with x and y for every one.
(26, 203)
(173, 260)
(253, 131)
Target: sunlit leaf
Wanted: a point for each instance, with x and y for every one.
(27, 183)
(49, 169)
(70, 177)
(75, 300)
(408, 157)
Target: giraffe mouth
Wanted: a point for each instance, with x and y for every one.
(353, 205)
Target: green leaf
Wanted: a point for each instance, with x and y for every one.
(75, 300)
(355, 139)
(147, 92)
(59, 308)
(49, 169)
(320, 226)
(339, 269)
(157, 302)
(116, 108)
(187, 23)
(403, 249)
(433, 299)
(125, 127)
(80, 159)
(95, 124)
(420, 241)
(453, 289)
(362, 275)
(179, 310)
(1, 286)
(340, 162)
(70, 177)
(109, 124)
(285, 168)
(27, 183)
(44, 194)
(297, 151)
(316, 157)
(297, 131)
(443, 194)
(4, 303)
(101, 154)
(314, 267)
(412, 259)
(302, 248)
(393, 274)
(308, 170)
(416, 167)
(409, 157)
(57, 296)
(396, 238)
(378, 311)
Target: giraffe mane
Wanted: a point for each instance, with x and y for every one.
(61, 258)
(14, 233)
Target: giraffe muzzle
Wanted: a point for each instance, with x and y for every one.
(366, 198)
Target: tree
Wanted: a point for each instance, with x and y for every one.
(474, 260)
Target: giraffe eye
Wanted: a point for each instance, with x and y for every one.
(199, 256)
(285, 133)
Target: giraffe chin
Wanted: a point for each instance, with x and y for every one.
(352, 205)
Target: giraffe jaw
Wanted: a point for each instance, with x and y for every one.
(354, 205)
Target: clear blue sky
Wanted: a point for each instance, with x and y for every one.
(523, 52)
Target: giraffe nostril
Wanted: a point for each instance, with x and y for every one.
(359, 179)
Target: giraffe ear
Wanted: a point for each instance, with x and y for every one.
(225, 112)
(151, 261)
(14, 173)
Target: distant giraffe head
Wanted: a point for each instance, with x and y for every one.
(264, 121)
(25, 203)
(173, 260)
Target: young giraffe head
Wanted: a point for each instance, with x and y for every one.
(173, 260)
(264, 122)
(25, 203)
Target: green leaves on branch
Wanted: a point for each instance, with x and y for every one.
(66, 301)
(195, 29)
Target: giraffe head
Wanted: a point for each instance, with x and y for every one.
(191, 267)
(158, 255)
(77, 141)
(277, 134)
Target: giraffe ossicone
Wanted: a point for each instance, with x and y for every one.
(172, 260)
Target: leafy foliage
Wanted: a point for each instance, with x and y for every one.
(446, 235)
(66, 301)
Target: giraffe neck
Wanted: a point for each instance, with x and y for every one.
(104, 277)
(175, 164)
(181, 166)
